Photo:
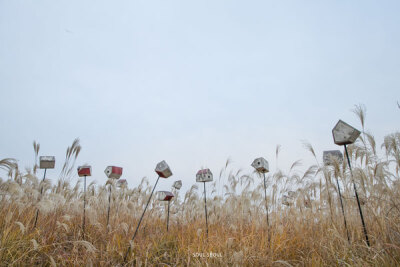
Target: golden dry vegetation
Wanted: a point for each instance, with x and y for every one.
(308, 231)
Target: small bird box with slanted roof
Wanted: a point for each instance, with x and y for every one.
(47, 162)
(113, 172)
(204, 175)
(344, 134)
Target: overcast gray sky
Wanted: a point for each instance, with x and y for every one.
(192, 82)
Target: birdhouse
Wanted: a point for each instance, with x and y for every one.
(122, 183)
(163, 170)
(261, 165)
(113, 172)
(331, 155)
(344, 134)
(204, 175)
(177, 184)
(164, 195)
(84, 171)
(47, 162)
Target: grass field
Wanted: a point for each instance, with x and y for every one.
(308, 231)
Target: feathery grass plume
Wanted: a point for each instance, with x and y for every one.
(71, 154)
(36, 148)
(8, 164)
(21, 227)
(277, 151)
(301, 232)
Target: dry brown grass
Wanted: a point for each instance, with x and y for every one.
(309, 232)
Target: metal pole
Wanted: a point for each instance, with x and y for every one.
(84, 207)
(137, 227)
(265, 196)
(41, 192)
(205, 207)
(168, 214)
(109, 204)
(358, 200)
(341, 204)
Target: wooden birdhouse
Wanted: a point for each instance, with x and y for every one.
(163, 170)
(344, 134)
(204, 175)
(122, 183)
(164, 195)
(331, 155)
(177, 184)
(84, 171)
(47, 162)
(113, 172)
(261, 165)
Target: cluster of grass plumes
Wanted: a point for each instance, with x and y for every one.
(308, 230)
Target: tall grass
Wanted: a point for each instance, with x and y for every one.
(308, 230)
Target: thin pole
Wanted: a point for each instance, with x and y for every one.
(137, 227)
(341, 204)
(265, 196)
(109, 204)
(41, 192)
(168, 215)
(84, 206)
(205, 207)
(358, 200)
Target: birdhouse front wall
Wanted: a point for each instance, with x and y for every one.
(204, 176)
(47, 162)
(261, 165)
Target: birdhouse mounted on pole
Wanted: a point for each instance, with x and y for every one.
(122, 183)
(113, 172)
(344, 134)
(177, 184)
(204, 176)
(164, 195)
(261, 165)
(84, 171)
(331, 155)
(47, 162)
(163, 170)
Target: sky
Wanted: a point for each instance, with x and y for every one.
(192, 82)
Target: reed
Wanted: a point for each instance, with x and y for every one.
(308, 231)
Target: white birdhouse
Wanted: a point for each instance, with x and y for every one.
(84, 171)
(47, 162)
(122, 183)
(204, 175)
(163, 170)
(177, 184)
(113, 172)
(261, 165)
(164, 195)
(344, 134)
(331, 155)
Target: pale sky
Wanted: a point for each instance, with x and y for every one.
(192, 82)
